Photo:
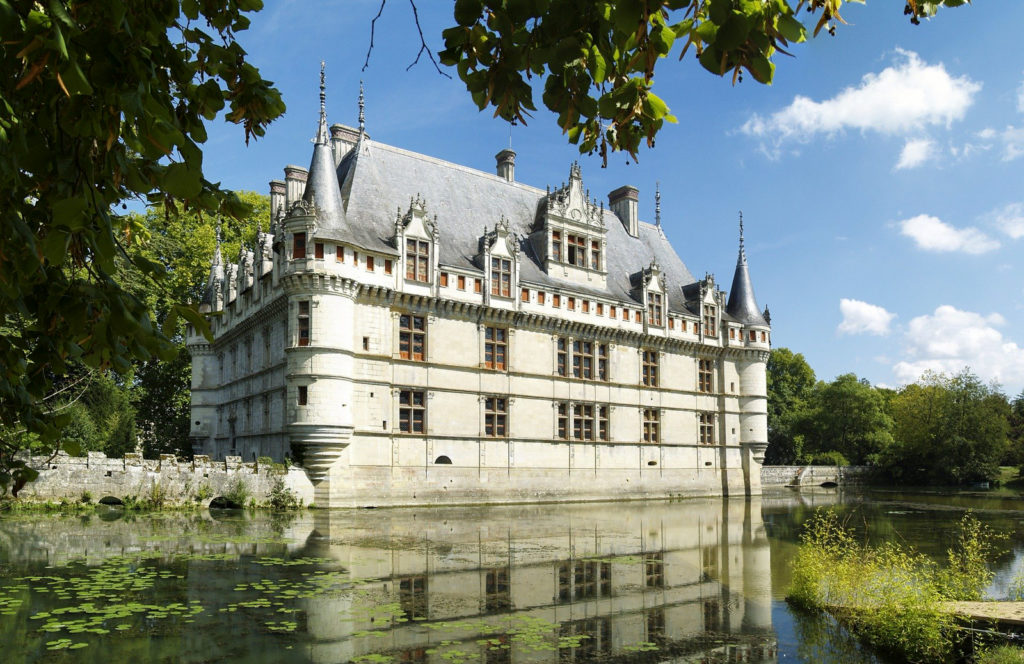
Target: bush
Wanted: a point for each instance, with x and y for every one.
(891, 596)
(830, 458)
(281, 497)
(238, 492)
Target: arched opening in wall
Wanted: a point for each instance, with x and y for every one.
(652, 463)
(443, 460)
(112, 501)
(222, 503)
(829, 485)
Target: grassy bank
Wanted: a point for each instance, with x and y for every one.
(891, 596)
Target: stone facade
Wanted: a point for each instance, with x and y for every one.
(412, 331)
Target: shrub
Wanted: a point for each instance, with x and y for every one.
(86, 498)
(891, 596)
(281, 497)
(238, 492)
(830, 458)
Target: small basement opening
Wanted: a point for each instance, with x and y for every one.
(111, 500)
(443, 460)
(222, 503)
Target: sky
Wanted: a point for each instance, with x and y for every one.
(879, 177)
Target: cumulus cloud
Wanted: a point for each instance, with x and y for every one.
(1010, 220)
(907, 96)
(915, 152)
(863, 318)
(1013, 142)
(950, 339)
(932, 234)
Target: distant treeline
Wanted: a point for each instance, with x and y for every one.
(940, 430)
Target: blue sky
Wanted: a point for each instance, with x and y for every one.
(879, 176)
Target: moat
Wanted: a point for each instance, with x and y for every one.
(694, 580)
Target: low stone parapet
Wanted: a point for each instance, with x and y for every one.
(813, 475)
(166, 480)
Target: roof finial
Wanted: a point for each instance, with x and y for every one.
(657, 203)
(362, 110)
(321, 134)
(743, 251)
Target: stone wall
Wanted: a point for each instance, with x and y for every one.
(813, 475)
(177, 482)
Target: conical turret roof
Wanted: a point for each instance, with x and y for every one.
(742, 303)
(322, 188)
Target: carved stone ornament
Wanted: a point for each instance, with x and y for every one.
(501, 232)
(417, 210)
(571, 201)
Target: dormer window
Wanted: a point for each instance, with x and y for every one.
(501, 277)
(299, 245)
(577, 250)
(595, 255)
(709, 319)
(556, 245)
(417, 260)
(654, 309)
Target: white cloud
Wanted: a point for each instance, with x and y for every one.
(906, 96)
(933, 234)
(863, 318)
(950, 339)
(915, 152)
(1013, 142)
(1010, 220)
(987, 134)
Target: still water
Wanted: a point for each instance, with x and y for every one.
(688, 581)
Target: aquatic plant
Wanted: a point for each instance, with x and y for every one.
(891, 596)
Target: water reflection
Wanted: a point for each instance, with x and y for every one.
(687, 581)
(607, 582)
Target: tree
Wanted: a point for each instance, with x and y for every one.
(101, 102)
(948, 430)
(846, 416)
(790, 385)
(597, 58)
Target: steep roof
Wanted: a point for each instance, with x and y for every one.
(742, 304)
(378, 181)
(322, 187)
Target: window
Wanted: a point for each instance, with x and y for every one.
(707, 429)
(369, 263)
(501, 277)
(709, 320)
(461, 282)
(495, 348)
(524, 295)
(556, 245)
(650, 368)
(753, 335)
(589, 421)
(671, 323)
(625, 314)
(764, 337)
(318, 250)
(417, 260)
(498, 596)
(339, 253)
(412, 411)
(303, 321)
(477, 286)
(540, 297)
(612, 311)
(595, 255)
(654, 309)
(412, 337)
(303, 395)
(637, 317)
(582, 359)
(706, 376)
(388, 266)
(355, 258)
(299, 245)
(732, 333)
(496, 417)
(651, 421)
(576, 254)
(572, 304)
(585, 304)
(556, 301)
(412, 597)
(589, 359)
(600, 309)
(654, 570)
(444, 279)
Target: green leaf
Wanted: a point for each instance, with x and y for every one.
(790, 28)
(68, 213)
(72, 447)
(762, 69)
(468, 12)
(732, 34)
(74, 79)
(182, 181)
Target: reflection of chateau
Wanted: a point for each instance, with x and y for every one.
(670, 575)
(417, 331)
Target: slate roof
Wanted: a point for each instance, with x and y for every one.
(378, 181)
(742, 304)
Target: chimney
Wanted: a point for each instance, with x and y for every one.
(295, 183)
(623, 202)
(506, 165)
(277, 195)
(343, 139)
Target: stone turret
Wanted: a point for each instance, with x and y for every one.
(742, 303)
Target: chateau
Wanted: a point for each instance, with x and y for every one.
(414, 331)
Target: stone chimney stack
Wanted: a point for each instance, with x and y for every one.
(277, 197)
(295, 183)
(506, 165)
(343, 139)
(624, 202)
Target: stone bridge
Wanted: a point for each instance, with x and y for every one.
(813, 475)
